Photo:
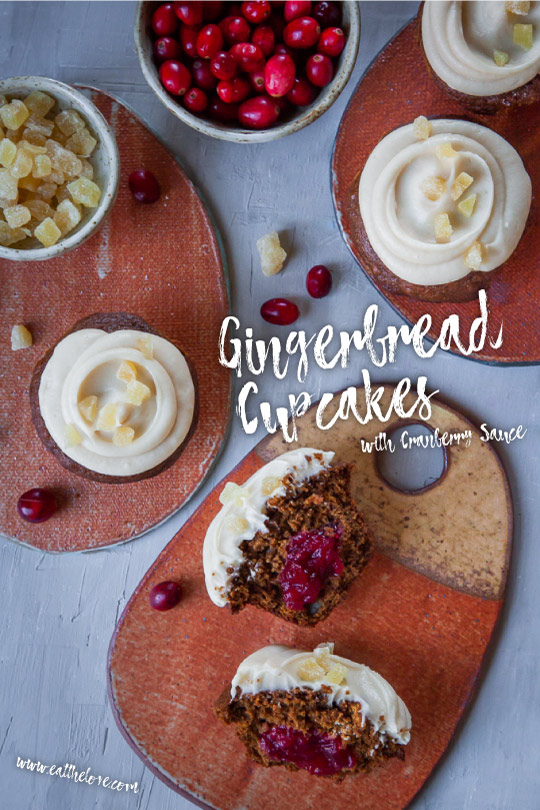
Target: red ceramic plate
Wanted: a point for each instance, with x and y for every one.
(397, 88)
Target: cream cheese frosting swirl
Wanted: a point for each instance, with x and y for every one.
(400, 218)
(279, 667)
(89, 410)
(462, 40)
(243, 513)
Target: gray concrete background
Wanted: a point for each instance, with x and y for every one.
(58, 612)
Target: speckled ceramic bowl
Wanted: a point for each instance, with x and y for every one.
(105, 161)
(143, 42)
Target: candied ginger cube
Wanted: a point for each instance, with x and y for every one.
(21, 337)
(9, 236)
(123, 436)
(88, 408)
(62, 193)
(73, 437)
(39, 103)
(22, 165)
(270, 484)
(17, 215)
(443, 228)
(146, 347)
(81, 143)
(523, 36)
(42, 166)
(14, 114)
(127, 371)
(30, 183)
(107, 417)
(518, 6)
(445, 150)
(466, 206)
(500, 57)
(433, 187)
(229, 493)
(39, 125)
(67, 216)
(48, 232)
(34, 149)
(421, 128)
(310, 670)
(237, 525)
(8, 150)
(136, 392)
(69, 121)
(87, 169)
(57, 177)
(336, 674)
(462, 182)
(34, 137)
(271, 253)
(46, 191)
(39, 209)
(8, 185)
(85, 192)
(473, 256)
(63, 159)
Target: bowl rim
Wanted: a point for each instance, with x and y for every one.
(238, 135)
(67, 93)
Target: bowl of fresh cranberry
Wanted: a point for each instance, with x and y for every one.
(247, 71)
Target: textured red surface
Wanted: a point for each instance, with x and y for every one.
(159, 261)
(396, 89)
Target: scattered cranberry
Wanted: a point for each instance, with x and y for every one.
(175, 77)
(166, 595)
(279, 75)
(257, 81)
(316, 752)
(264, 37)
(327, 13)
(221, 111)
(144, 186)
(212, 9)
(248, 56)
(196, 100)
(191, 13)
(223, 65)
(188, 39)
(233, 91)
(302, 93)
(166, 48)
(296, 8)
(279, 311)
(164, 20)
(319, 281)
(312, 559)
(319, 69)
(256, 11)
(235, 29)
(36, 505)
(209, 41)
(303, 32)
(331, 42)
(202, 75)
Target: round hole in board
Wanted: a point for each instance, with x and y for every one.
(414, 465)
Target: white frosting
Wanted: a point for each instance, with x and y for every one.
(244, 514)
(85, 363)
(459, 39)
(399, 217)
(277, 667)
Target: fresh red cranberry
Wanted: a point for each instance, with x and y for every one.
(37, 505)
(327, 13)
(331, 42)
(319, 281)
(249, 57)
(316, 752)
(233, 91)
(144, 186)
(256, 11)
(312, 558)
(319, 69)
(279, 311)
(212, 9)
(235, 29)
(257, 81)
(166, 48)
(188, 39)
(279, 75)
(264, 37)
(175, 77)
(302, 93)
(221, 111)
(190, 12)
(209, 41)
(166, 595)
(303, 32)
(164, 20)
(223, 65)
(296, 8)
(195, 100)
(202, 75)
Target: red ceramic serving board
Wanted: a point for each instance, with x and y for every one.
(162, 262)
(397, 88)
(422, 614)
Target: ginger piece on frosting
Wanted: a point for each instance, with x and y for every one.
(518, 6)
(336, 674)
(466, 206)
(421, 128)
(21, 337)
(310, 670)
(107, 417)
(136, 392)
(146, 347)
(460, 184)
(473, 256)
(523, 35)
(433, 187)
(445, 151)
(443, 228)
(123, 436)
(73, 437)
(272, 254)
(127, 371)
(88, 408)
(500, 57)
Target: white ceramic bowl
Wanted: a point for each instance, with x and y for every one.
(143, 43)
(104, 159)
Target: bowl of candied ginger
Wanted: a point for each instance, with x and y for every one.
(59, 168)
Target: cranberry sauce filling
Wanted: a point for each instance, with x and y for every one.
(312, 558)
(319, 754)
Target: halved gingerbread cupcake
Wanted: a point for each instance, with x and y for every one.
(113, 400)
(486, 55)
(443, 204)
